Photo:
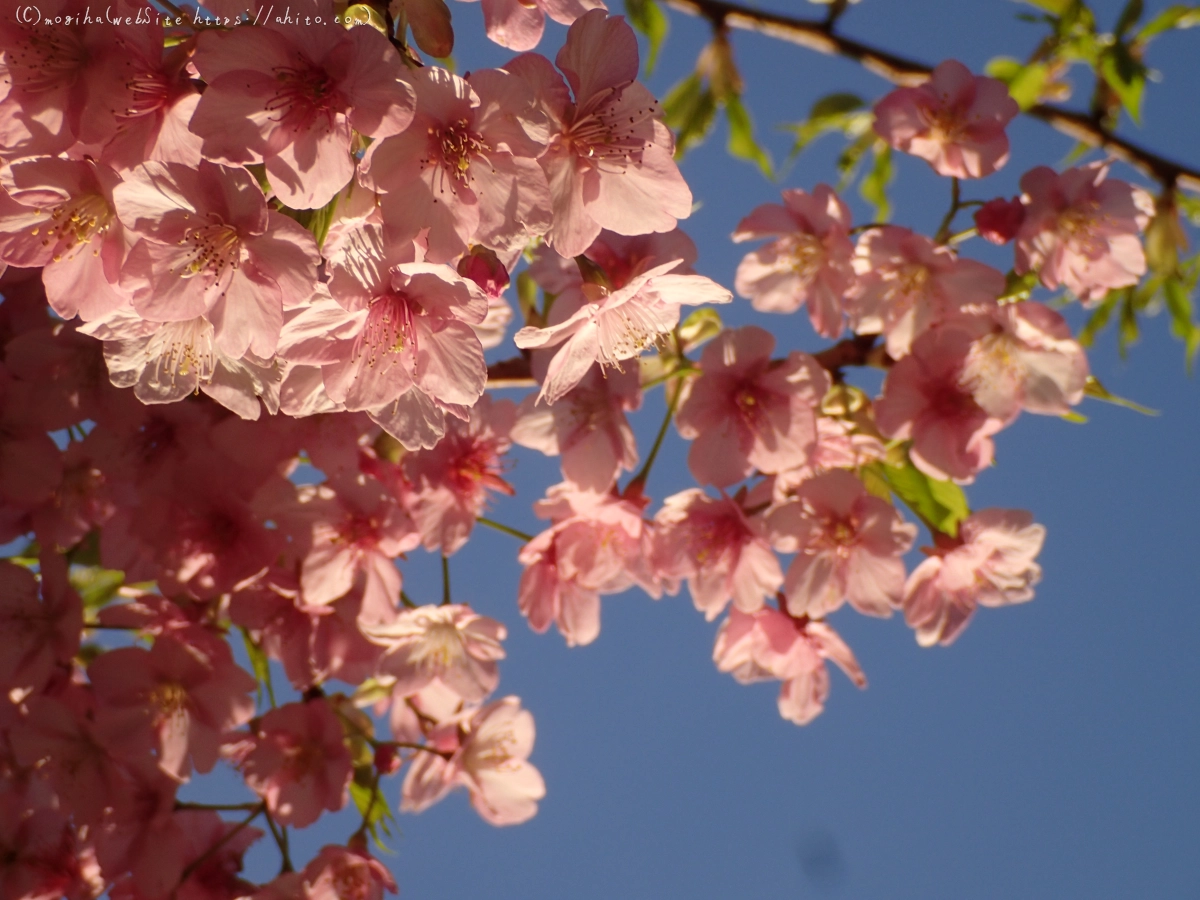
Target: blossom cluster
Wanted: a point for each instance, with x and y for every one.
(251, 275)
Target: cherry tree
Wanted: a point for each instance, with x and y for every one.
(283, 294)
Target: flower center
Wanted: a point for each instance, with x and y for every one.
(609, 136)
(212, 250)
(452, 149)
(389, 328)
(148, 93)
(441, 646)
(76, 222)
(169, 698)
(185, 348)
(304, 92)
(47, 59)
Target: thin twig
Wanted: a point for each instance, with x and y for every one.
(815, 34)
(490, 523)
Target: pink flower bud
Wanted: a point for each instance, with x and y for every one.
(999, 220)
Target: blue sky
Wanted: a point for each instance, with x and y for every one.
(1051, 752)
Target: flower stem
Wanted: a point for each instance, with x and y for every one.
(482, 520)
(256, 810)
(445, 580)
(943, 232)
(634, 488)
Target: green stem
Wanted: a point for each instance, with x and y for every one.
(280, 834)
(407, 600)
(482, 520)
(943, 232)
(639, 480)
(445, 580)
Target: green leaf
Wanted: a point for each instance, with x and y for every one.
(648, 18)
(689, 109)
(1129, 17)
(1179, 306)
(372, 804)
(1025, 82)
(1054, 7)
(701, 326)
(1127, 77)
(941, 505)
(322, 218)
(1179, 16)
(1094, 389)
(849, 159)
(96, 586)
(1099, 318)
(1017, 287)
(874, 186)
(838, 112)
(1074, 418)
(260, 665)
(741, 136)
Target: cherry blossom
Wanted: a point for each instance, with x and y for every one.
(609, 161)
(291, 97)
(466, 169)
(1081, 230)
(519, 25)
(926, 400)
(612, 326)
(722, 552)
(848, 545)
(299, 762)
(906, 284)
(490, 761)
(808, 262)
(769, 644)
(206, 245)
(451, 644)
(337, 873)
(955, 121)
(989, 564)
(745, 413)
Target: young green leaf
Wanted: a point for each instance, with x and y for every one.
(648, 18)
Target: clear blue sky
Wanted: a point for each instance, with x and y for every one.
(1051, 753)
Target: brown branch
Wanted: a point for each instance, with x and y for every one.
(819, 35)
(514, 372)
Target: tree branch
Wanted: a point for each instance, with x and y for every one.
(818, 35)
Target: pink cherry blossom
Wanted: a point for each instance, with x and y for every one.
(1025, 358)
(1081, 230)
(722, 552)
(184, 697)
(166, 361)
(620, 258)
(43, 76)
(848, 545)
(613, 326)
(597, 545)
(451, 644)
(990, 564)
(925, 400)
(587, 427)
(771, 644)
(357, 531)
(609, 163)
(808, 262)
(299, 762)
(955, 121)
(519, 25)
(210, 247)
(139, 99)
(999, 220)
(37, 634)
(451, 483)
(482, 266)
(491, 762)
(839, 446)
(339, 873)
(35, 851)
(466, 170)
(142, 834)
(212, 856)
(59, 213)
(745, 412)
(30, 465)
(394, 328)
(292, 97)
(907, 284)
